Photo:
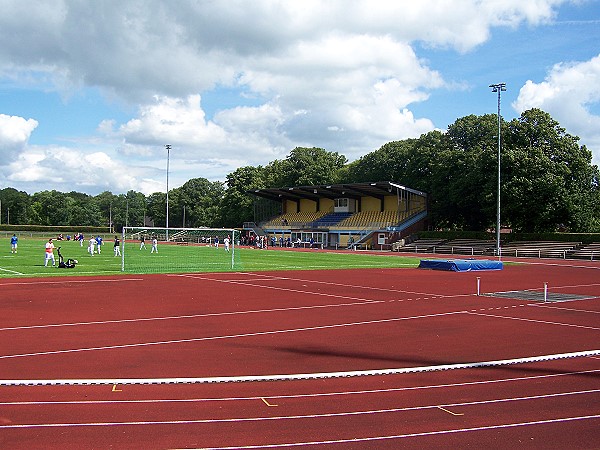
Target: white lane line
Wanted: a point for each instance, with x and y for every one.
(231, 336)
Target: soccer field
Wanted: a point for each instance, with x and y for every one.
(172, 258)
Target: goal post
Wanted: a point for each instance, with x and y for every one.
(179, 250)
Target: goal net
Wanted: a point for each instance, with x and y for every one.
(178, 250)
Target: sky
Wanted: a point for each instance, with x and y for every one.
(92, 91)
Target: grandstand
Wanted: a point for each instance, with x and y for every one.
(358, 215)
(590, 251)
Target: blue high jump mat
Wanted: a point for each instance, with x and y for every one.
(460, 265)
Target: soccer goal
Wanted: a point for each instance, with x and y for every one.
(179, 250)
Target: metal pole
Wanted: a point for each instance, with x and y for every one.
(168, 147)
(498, 88)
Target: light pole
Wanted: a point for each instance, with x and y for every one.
(498, 88)
(168, 147)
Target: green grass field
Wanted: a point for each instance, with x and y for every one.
(29, 260)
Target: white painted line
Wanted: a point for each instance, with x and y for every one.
(232, 336)
(11, 271)
(534, 320)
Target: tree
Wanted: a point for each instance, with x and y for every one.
(52, 208)
(388, 163)
(201, 199)
(14, 206)
(306, 167)
(236, 206)
(156, 208)
(549, 181)
(467, 173)
(135, 205)
(105, 201)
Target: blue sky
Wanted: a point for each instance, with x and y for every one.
(90, 92)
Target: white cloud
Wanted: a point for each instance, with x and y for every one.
(172, 120)
(139, 48)
(66, 169)
(339, 74)
(568, 93)
(14, 135)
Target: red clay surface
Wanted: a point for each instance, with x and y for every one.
(241, 324)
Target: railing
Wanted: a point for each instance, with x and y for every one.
(592, 255)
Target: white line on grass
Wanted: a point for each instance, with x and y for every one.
(11, 271)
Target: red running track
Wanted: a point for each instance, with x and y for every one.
(229, 325)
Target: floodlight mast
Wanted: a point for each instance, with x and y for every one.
(168, 147)
(499, 88)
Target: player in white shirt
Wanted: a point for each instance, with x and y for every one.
(49, 253)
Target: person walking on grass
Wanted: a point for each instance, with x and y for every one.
(49, 253)
(92, 246)
(154, 248)
(117, 246)
(13, 243)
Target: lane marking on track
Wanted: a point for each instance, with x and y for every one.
(267, 403)
(547, 322)
(353, 286)
(309, 395)
(450, 412)
(261, 286)
(116, 280)
(194, 316)
(296, 416)
(230, 336)
(561, 308)
(411, 435)
(114, 389)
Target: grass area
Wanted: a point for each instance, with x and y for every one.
(29, 260)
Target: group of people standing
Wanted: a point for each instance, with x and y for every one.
(154, 248)
(94, 246)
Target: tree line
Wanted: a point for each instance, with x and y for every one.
(548, 183)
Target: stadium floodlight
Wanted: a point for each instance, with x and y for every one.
(499, 88)
(168, 147)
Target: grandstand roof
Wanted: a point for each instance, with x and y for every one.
(377, 189)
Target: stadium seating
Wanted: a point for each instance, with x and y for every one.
(531, 249)
(331, 219)
(590, 252)
(369, 219)
(539, 249)
(289, 220)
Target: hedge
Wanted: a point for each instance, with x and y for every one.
(52, 230)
